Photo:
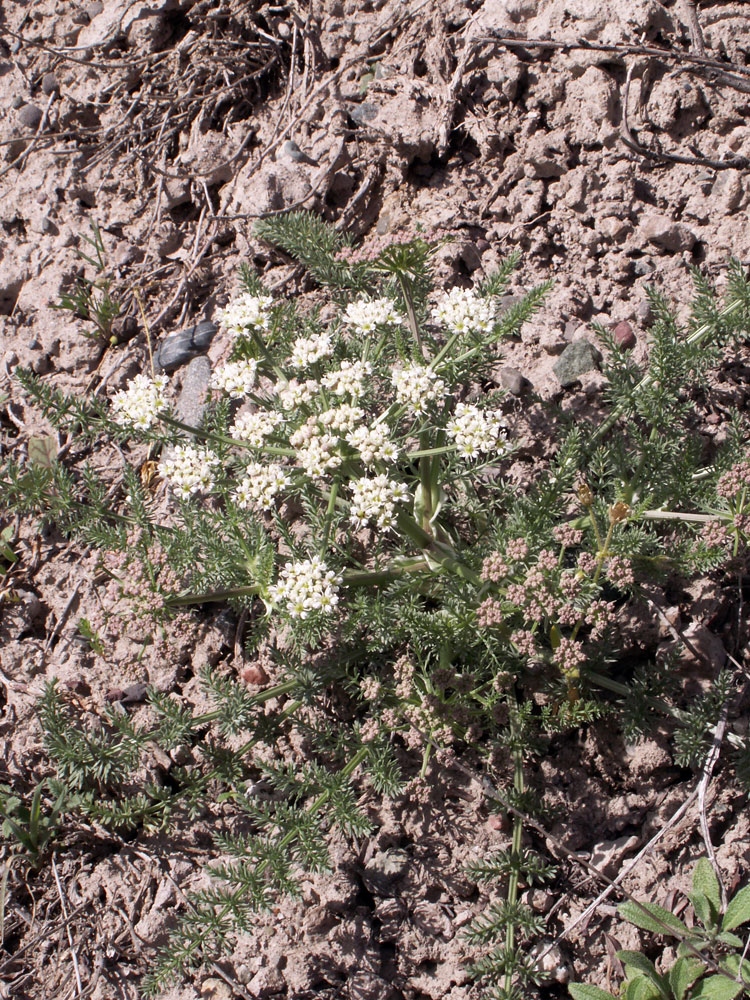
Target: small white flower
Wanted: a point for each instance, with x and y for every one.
(417, 386)
(255, 427)
(294, 394)
(342, 418)
(189, 470)
(319, 455)
(307, 350)
(246, 312)
(261, 485)
(139, 404)
(236, 378)
(366, 315)
(476, 431)
(306, 586)
(348, 380)
(373, 444)
(374, 499)
(461, 310)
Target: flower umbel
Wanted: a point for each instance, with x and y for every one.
(139, 405)
(189, 470)
(306, 586)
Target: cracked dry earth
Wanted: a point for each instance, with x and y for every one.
(606, 140)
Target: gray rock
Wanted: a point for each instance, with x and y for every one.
(30, 116)
(663, 232)
(192, 399)
(50, 84)
(514, 381)
(645, 313)
(643, 267)
(179, 347)
(574, 361)
(364, 112)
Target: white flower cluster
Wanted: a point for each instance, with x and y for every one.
(461, 310)
(189, 470)
(342, 418)
(307, 350)
(260, 485)
(365, 315)
(236, 378)
(255, 427)
(246, 312)
(374, 499)
(348, 380)
(475, 431)
(138, 405)
(293, 394)
(319, 455)
(306, 586)
(373, 444)
(416, 386)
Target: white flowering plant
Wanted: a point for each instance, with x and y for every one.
(358, 491)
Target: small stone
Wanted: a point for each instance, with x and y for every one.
(663, 232)
(179, 347)
(17, 102)
(192, 399)
(643, 267)
(624, 336)
(606, 856)
(50, 84)
(645, 313)
(571, 328)
(574, 361)
(514, 381)
(215, 989)
(94, 8)
(364, 113)
(254, 674)
(30, 116)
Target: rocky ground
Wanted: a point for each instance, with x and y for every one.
(606, 140)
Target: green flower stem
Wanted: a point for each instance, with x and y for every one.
(224, 438)
(368, 578)
(181, 600)
(329, 515)
(411, 315)
(425, 480)
(428, 452)
(669, 515)
(445, 350)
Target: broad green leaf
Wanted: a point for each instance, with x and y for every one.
(43, 451)
(638, 962)
(717, 988)
(642, 988)
(706, 883)
(683, 973)
(585, 991)
(653, 919)
(732, 964)
(554, 636)
(730, 939)
(704, 909)
(738, 910)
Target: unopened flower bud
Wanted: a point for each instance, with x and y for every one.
(585, 496)
(620, 512)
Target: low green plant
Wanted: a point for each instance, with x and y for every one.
(27, 825)
(90, 298)
(711, 959)
(350, 488)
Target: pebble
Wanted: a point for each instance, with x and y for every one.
(50, 84)
(178, 348)
(364, 112)
(624, 336)
(574, 361)
(663, 232)
(514, 381)
(645, 313)
(192, 399)
(384, 868)
(643, 267)
(30, 116)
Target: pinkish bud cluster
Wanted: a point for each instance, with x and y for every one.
(716, 535)
(620, 571)
(494, 568)
(524, 641)
(567, 535)
(734, 481)
(569, 656)
(489, 613)
(403, 670)
(600, 616)
(587, 563)
(516, 549)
